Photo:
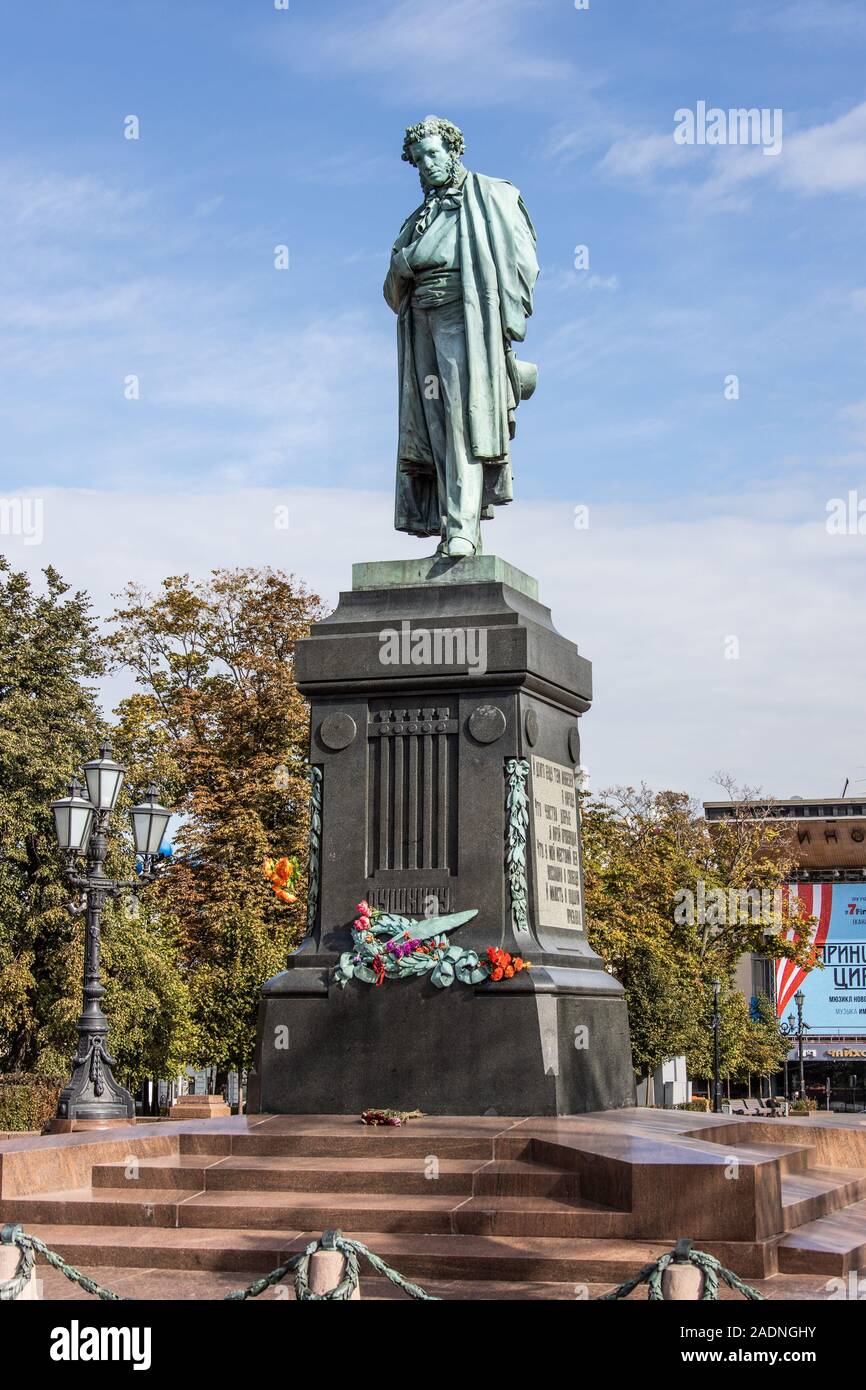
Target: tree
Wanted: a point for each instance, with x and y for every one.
(219, 716)
(50, 654)
(49, 722)
(673, 902)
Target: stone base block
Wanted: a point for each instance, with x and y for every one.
(461, 1051)
(199, 1108)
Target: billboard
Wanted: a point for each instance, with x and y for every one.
(835, 1001)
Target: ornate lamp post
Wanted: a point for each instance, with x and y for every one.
(717, 1069)
(81, 821)
(796, 1028)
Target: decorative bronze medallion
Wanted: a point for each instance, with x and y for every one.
(486, 724)
(337, 731)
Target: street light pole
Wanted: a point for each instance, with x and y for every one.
(799, 999)
(93, 1098)
(717, 1079)
(796, 1028)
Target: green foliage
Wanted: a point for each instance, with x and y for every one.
(28, 1101)
(646, 854)
(49, 722)
(219, 716)
(50, 653)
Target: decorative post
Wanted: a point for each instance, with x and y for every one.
(92, 1096)
(799, 1000)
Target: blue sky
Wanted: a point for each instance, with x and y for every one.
(258, 387)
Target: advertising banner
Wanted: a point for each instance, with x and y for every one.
(835, 1000)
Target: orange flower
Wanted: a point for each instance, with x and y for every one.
(497, 973)
(280, 873)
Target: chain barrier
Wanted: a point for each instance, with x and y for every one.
(712, 1270)
(352, 1251)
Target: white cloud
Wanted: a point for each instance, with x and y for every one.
(472, 51)
(642, 156)
(649, 596)
(32, 202)
(827, 158)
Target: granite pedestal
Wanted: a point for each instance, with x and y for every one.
(444, 746)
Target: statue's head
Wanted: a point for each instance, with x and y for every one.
(434, 146)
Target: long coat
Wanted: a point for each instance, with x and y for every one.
(498, 269)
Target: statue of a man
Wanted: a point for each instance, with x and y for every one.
(461, 278)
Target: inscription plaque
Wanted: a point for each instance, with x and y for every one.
(555, 844)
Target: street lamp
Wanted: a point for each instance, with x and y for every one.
(92, 1095)
(717, 1079)
(796, 1028)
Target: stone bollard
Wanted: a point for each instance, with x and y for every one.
(9, 1258)
(327, 1267)
(682, 1281)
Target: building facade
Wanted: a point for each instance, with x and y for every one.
(830, 883)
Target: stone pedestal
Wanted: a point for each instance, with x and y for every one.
(444, 744)
(198, 1108)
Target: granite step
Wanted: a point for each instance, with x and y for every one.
(364, 1141)
(818, 1192)
(792, 1158)
(435, 1256)
(166, 1208)
(465, 1177)
(405, 1213)
(834, 1244)
(211, 1285)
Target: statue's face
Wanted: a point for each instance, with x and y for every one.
(432, 159)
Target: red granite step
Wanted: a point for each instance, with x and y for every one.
(365, 1141)
(433, 1211)
(433, 1256)
(792, 1158)
(817, 1192)
(403, 1213)
(834, 1244)
(199, 1285)
(466, 1177)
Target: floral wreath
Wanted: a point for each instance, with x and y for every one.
(390, 947)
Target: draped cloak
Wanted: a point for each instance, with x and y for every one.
(498, 270)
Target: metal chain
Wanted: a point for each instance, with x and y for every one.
(651, 1274)
(29, 1246)
(712, 1270)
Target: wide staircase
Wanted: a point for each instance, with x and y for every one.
(582, 1201)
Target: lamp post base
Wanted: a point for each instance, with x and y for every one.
(76, 1126)
(93, 1097)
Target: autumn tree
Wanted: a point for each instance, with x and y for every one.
(668, 909)
(218, 715)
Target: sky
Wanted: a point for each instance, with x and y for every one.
(166, 392)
